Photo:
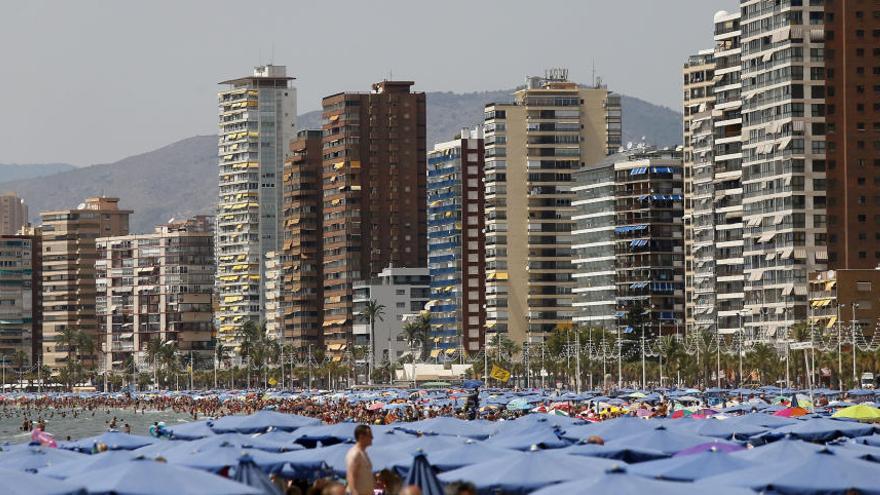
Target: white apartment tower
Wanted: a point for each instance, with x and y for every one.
(257, 121)
(783, 160)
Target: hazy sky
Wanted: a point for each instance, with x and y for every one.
(93, 81)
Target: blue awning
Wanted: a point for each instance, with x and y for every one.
(628, 329)
(638, 171)
(638, 285)
(638, 243)
(629, 228)
(662, 170)
(620, 314)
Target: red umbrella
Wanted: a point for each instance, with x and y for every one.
(791, 412)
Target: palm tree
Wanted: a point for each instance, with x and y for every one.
(412, 333)
(371, 312)
(220, 356)
(154, 347)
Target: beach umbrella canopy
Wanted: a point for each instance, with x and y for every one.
(525, 440)
(22, 483)
(248, 473)
(35, 458)
(158, 448)
(461, 456)
(222, 457)
(718, 428)
(146, 477)
(620, 452)
(785, 450)
(820, 473)
(233, 439)
(192, 431)
(619, 482)
(87, 463)
(820, 430)
(444, 425)
(422, 475)
(791, 412)
(764, 420)
(334, 458)
(660, 439)
(691, 467)
(262, 421)
(525, 473)
(609, 430)
(114, 440)
(860, 412)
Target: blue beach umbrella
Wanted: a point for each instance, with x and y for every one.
(610, 429)
(422, 475)
(35, 458)
(248, 473)
(619, 452)
(691, 467)
(660, 439)
(261, 422)
(114, 440)
(820, 473)
(158, 448)
(619, 482)
(443, 425)
(820, 430)
(146, 477)
(785, 450)
(217, 459)
(525, 473)
(764, 420)
(541, 438)
(192, 431)
(22, 483)
(87, 463)
(461, 456)
(717, 428)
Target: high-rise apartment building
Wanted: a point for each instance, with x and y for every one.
(302, 266)
(20, 301)
(13, 214)
(697, 149)
(69, 255)
(272, 297)
(257, 121)
(713, 161)
(649, 240)
(593, 250)
(852, 124)
(533, 146)
(629, 241)
(155, 286)
(456, 242)
(783, 160)
(373, 193)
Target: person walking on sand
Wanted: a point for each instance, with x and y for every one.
(359, 469)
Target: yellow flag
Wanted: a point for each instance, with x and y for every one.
(499, 373)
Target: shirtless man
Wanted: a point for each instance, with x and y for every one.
(359, 469)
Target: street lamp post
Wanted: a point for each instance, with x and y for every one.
(839, 350)
(852, 324)
(742, 336)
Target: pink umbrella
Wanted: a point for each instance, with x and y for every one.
(375, 406)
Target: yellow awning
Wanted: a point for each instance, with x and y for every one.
(831, 322)
(450, 352)
(335, 347)
(338, 165)
(435, 353)
(254, 277)
(501, 276)
(334, 118)
(355, 164)
(830, 284)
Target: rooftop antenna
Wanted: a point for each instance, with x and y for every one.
(272, 58)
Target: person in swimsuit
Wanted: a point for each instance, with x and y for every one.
(359, 469)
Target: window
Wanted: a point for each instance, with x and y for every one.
(863, 286)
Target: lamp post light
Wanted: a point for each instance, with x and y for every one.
(853, 324)
(839, 349)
